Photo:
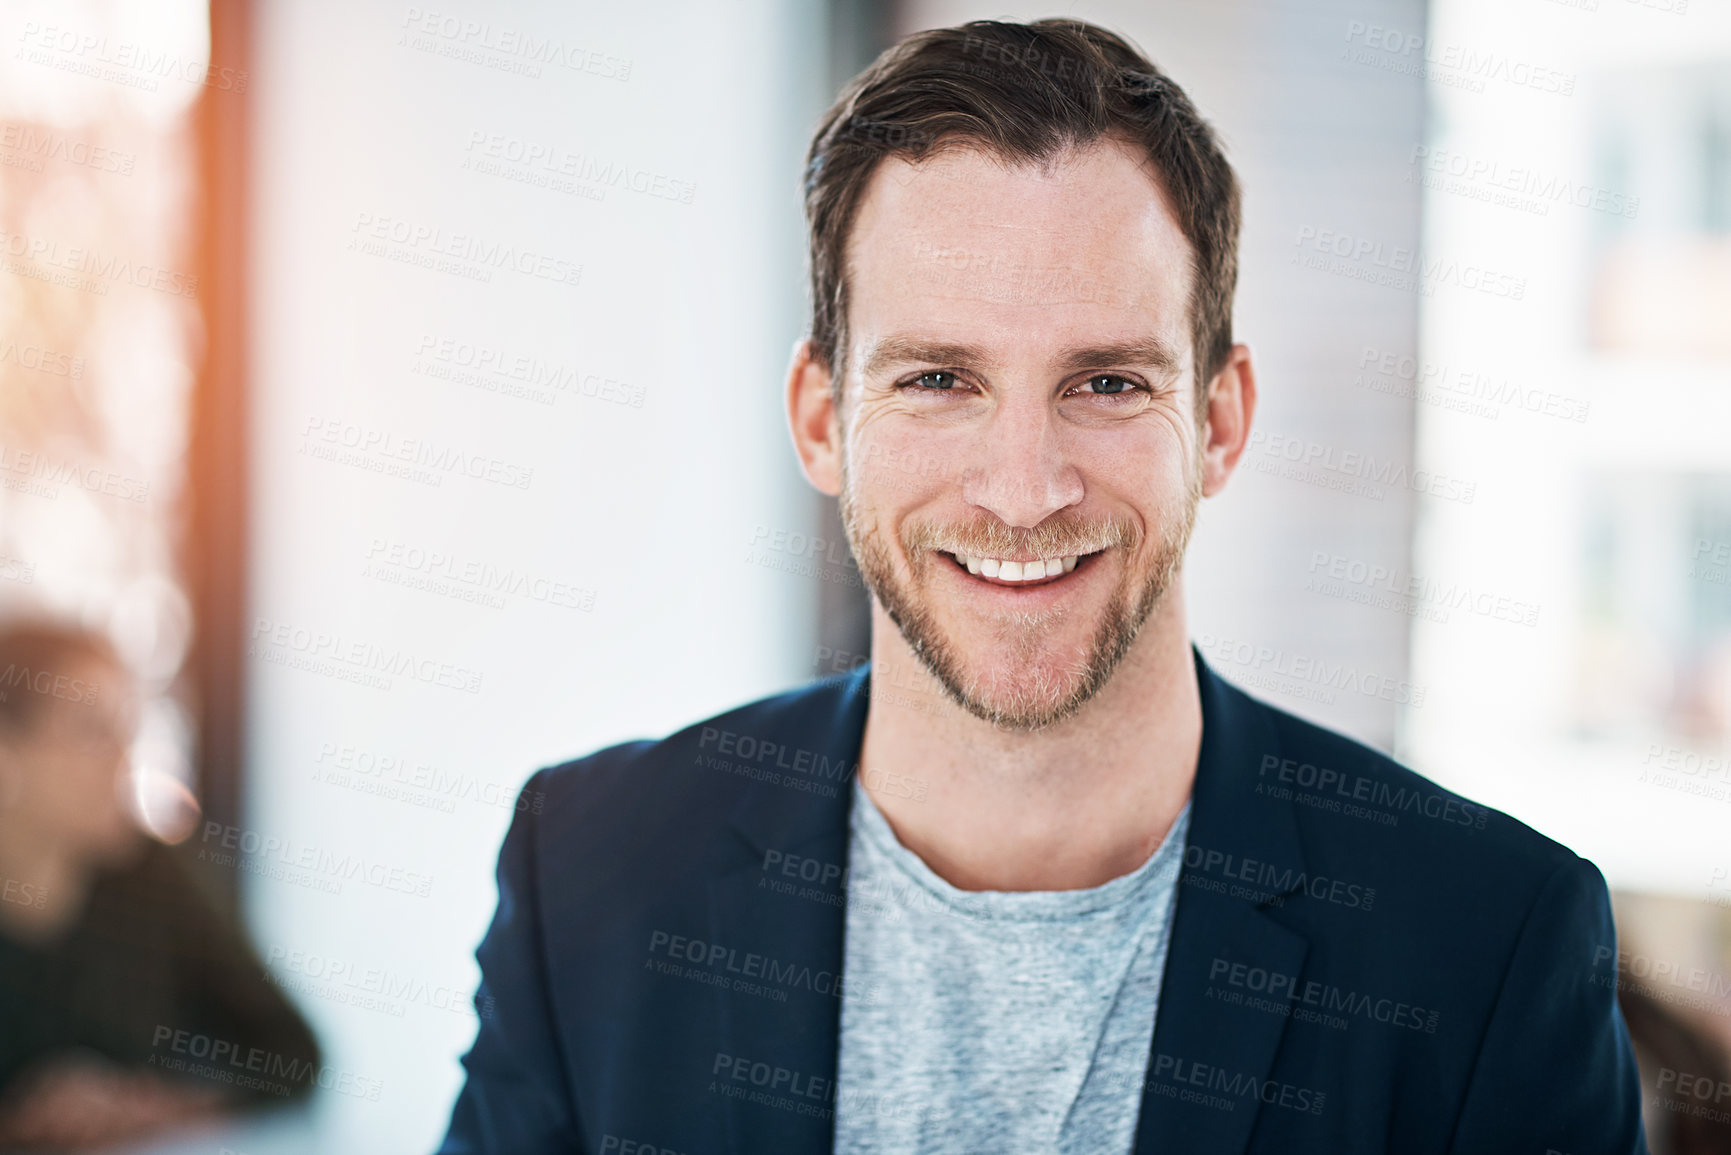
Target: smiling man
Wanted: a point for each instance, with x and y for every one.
(1035, 879)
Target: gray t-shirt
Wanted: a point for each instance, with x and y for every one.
(999, 1021)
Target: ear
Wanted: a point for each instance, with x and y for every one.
(812, 419)
(1231, 403)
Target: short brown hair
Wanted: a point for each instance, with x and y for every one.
(1025, 93)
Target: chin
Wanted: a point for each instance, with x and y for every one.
(1021, 703)
(1021, 683)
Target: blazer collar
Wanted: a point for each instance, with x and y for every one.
(1201, 1044)
(820, 735)
(803, 811)
(1195, 1037)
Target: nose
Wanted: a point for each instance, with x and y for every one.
(1019, 473)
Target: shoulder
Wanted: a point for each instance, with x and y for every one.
(668, 796)
(1430, 851)
(1407, 889)
(760, 734)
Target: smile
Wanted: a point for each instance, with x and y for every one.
(1001, 571)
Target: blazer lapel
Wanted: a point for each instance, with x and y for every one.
(798, 941)
(1208, 1058)
(1204, 1052)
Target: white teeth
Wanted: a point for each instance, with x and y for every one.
(1017, 571)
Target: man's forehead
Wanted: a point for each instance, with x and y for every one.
(1098, 198)
(963, 246)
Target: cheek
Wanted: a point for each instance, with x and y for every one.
(1145, 463)
(891, 472)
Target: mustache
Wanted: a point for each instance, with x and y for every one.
(989, 537)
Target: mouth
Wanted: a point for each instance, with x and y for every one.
(1021, 574)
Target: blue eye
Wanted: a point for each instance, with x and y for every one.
(1109, 385)
(936, 380)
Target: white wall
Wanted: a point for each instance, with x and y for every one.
(1562, 722)
(365, 115)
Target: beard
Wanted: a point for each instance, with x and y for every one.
(1028, 691)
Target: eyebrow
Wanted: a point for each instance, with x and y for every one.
(892, 351)
(1149, 352)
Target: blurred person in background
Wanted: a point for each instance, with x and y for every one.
(1685, 1078)
(113, 965)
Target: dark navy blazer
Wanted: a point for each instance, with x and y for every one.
(1360, 960)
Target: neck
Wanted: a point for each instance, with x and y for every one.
(42, 888)
(1074, 805)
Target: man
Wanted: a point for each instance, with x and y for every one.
(1036, 879)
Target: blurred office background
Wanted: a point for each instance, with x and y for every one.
(258, 254)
